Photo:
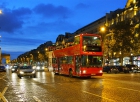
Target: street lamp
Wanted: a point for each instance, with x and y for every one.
(0, 11)
(103, 30)
(106, 32)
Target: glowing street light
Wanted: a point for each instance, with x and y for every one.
(102, 29)
(0, 11)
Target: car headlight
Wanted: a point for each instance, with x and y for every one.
(38, 68)
(13, 69)
(34, 67)
(33, 71)
(21, 72)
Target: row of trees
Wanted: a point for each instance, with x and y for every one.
(123, 39)
(35, 55)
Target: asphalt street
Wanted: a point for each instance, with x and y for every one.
(48, 87)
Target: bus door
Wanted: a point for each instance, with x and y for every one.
(77, 63)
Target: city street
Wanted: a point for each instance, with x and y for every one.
(48, 87)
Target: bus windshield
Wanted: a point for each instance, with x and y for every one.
(92, 43)
(91, 40)
(91, 61)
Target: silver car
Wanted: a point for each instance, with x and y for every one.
(26, 71)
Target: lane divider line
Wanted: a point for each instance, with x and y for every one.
(2, 95)
(99, 96)
(36, 99)
(129, 89)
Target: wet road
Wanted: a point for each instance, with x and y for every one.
(48, 87)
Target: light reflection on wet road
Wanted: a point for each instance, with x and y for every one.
(48, 87)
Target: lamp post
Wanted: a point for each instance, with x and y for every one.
(102, 30)
(106, 48)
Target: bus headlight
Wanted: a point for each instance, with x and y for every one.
(100, 71)
(84, 71)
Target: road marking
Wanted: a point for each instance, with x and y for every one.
(36, 99)
(2, 95)
(129, 89)
(98, 96)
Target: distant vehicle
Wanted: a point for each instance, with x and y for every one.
(40, 68)
(14, 68)
(138, 70)
(110, 69)
(133, 68)
(122, 69)
(2, 69)
(26, 71)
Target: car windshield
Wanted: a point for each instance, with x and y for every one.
(2, 67)
(26, 67)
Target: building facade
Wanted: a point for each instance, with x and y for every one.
(130, 11)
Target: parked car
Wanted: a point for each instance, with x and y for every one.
(138, 70)
(110, 69)
(14, 68)
(26, 71)
(133, 68)
(2, 68)
(122, 68)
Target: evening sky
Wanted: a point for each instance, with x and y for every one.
(26, 24)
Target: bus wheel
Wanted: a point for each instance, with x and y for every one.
(70, 73)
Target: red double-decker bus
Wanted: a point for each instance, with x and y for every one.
(83, 58)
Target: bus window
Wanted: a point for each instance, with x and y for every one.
(91, 40)
(90, 61)
(92, 43)
(64, 60)
(69, 59)
(54, 60)
(97, 41)
(77, 40)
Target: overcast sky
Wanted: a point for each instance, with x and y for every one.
(26, 24)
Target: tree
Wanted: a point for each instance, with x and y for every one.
(123, 38)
